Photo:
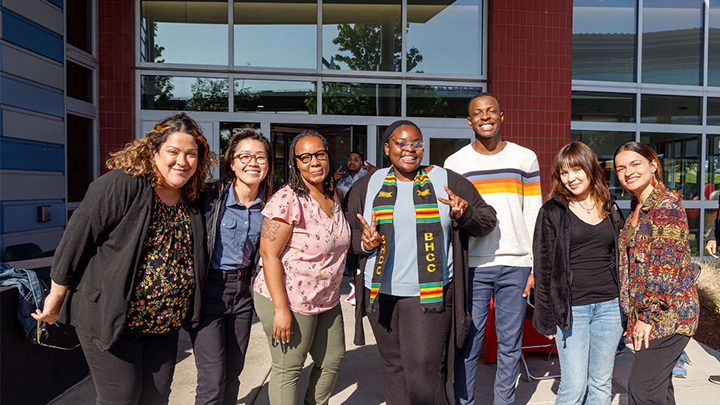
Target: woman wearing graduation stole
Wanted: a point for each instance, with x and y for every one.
(410, 226)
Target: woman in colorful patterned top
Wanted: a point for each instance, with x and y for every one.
(131, 261)
(410, 228)
(233, 220)
(303, 245)
(657, 292)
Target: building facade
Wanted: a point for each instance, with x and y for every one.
(81, 78)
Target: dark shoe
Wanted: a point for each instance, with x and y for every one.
(714, 379)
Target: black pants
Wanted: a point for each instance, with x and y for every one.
(137, 369)
(413, 348)
(220, 342)
(650, 379)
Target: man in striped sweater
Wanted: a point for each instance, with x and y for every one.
(507, 176)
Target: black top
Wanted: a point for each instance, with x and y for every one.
(591, 261)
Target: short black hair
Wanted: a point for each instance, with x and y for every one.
(395, 125)
(483, 94)
(362, 157)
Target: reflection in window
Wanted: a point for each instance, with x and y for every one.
(439, 101)
(79, 82)
(444, 37)
(713, 111)
(79, 24)
(359, 99)
(275, 33)
(362, 35)
(693, 217)
(274, 96)
(679, 155)
(604, 144)
(79, 156)
(714, 44)
(442, 148)
(672, 42)
(712, 169)
(192, 32)
(670, 109)
(184, 93)
(604, 40)
(603, 107)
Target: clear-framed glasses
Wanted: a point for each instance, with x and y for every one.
(307, 157)
(417, 145)
(245, 158)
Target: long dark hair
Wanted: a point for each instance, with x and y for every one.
(266, 184)
(577, 154)
(645, 151)
(137, 157)
(295, 180)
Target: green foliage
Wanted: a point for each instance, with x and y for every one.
(208, 95)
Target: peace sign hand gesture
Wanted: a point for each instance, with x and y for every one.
(370, 236)
(457, 204)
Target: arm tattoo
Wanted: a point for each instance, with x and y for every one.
(269, 230)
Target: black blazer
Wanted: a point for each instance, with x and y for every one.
(99, 255)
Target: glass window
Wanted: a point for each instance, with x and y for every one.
(679, 155)
(672, 42)
(361, 99)
(192, 32)
(709, 222)
(670, 109)
(79, 24)
(184, 93)
(714, 44)
(604, 144)
(79, 82)
(713, 111)
(444, 37)
(604, 42)
(275, 96)
(441, 148)
(439, 101)
(693, 217)
(712, 169)
(362, 35)
(604, 107)
(79, 156)
(275, 33)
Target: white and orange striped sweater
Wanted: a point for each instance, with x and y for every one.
(510, 182)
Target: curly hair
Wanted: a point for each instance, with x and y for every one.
(266, 184)
(137, 158)
(295, 180)
(577, 154)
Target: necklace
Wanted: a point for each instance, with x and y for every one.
(588, 210)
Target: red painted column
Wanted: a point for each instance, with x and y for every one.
(530, 47)
(116, 52)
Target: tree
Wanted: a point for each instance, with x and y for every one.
(209, 95)
(364, 43)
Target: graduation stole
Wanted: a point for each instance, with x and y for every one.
(428, 233)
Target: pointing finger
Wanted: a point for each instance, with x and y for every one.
(444, 201)
(451, 195)
(363, 221)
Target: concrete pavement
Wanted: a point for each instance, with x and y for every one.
(360, 380)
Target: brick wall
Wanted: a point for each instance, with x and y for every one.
(530, 48)
(116, 36)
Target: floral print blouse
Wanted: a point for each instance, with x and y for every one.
(314, 257)
(165, 281)
(656, 279)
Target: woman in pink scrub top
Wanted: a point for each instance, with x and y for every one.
(303, 245)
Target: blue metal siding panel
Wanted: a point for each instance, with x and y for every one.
(58, 3)
(25, 33)
(20, 154)
(29, 95)
(16, 216)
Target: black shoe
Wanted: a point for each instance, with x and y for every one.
(714, 379)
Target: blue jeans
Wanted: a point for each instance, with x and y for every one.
(591, 340)
(506, 285)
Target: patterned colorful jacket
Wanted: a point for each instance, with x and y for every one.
(656, 278)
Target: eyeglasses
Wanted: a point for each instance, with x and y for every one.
(417, 145)
(307, 157)
(246, 158)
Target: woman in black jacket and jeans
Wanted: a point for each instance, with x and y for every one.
(576, 275)
(131, 262)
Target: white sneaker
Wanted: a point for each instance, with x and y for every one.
(351, 297)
